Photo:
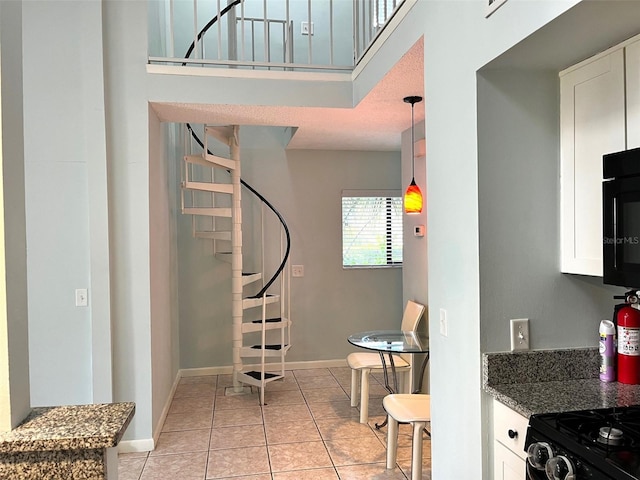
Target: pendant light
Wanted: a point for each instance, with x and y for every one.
(413, 195)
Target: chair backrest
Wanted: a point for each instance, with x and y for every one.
(412, 315)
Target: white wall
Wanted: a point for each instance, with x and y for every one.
(127, 126)
(163, 269)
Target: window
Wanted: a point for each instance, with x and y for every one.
(371, 228)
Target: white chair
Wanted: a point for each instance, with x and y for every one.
(362, 363)
(407, 408)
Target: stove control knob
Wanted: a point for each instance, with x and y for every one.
(538, 454)
(560, 468)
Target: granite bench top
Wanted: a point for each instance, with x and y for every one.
(547, 381)
(72, 427)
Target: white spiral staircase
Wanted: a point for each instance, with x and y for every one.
(212, 194)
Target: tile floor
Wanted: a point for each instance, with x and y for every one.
(306, 431)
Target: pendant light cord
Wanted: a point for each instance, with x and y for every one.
(412, 100)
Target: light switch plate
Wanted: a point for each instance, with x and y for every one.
(444, 323)
(519, 334)
(81, 297)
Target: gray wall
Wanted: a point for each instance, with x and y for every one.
(329, 302)
(518, 189)
(59, 145)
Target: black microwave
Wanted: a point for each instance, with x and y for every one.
(621, 218)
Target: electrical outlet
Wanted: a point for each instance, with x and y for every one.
(519, 334)
(444, 323)
(297, 270)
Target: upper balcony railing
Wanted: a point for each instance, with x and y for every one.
(291, 35)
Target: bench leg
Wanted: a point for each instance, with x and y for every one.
(416, 454)
(364, 395)
(355, 378)
(392, 441)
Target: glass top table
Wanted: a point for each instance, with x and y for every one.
(391, 341)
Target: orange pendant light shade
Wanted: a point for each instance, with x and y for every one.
(413, 195)
(413, 198)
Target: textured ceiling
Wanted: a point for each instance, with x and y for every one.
(376, 123)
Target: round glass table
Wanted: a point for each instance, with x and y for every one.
(393, 342)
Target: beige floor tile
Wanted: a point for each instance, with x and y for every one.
(182, 442)
(315, 474)
(372, 470)
(264, 476)
(376, 390)
(290, 432)
(235, 437)
(187, 421)
(133, 455)
(130, 468)
(283, 397)
(339, 409)
(210, 379)
(298, 456)
(192, 405)
(340, 371)
(229, 402)
(187, 466)
(307, 383)
(240, 416)
(375, 407)
(195, 390)
(335, 428)
(225, 391)
(237, 461)
(328, 394)
(285, 413)
(404, 460)
(242, 438)
(286, 384)
(311, 372)
(345, 451)
(225, 380)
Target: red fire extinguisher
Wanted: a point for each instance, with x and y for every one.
(628, 321)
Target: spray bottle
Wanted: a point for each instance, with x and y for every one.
(607, 351)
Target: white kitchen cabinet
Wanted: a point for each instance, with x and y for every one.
(506, 464)
(509, 433)
(592, 123)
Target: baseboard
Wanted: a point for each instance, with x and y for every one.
(196, 372)
(165, 410)
(131, 446)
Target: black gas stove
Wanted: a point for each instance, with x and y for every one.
(584, 445)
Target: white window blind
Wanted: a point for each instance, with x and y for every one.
(371, 228)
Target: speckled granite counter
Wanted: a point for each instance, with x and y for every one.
(552, 381)
(68, 442)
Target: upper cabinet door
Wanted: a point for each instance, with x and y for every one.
(632, 57)
(592, 123)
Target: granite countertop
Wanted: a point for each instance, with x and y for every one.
(547, 381)
(69, 428)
